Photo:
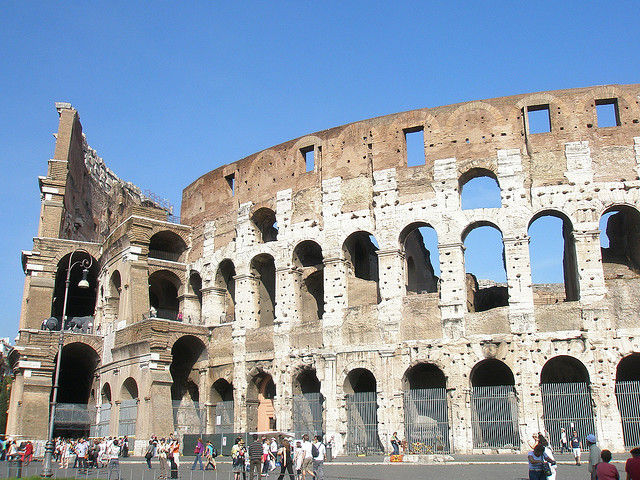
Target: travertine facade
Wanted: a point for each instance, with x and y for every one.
(312, 274)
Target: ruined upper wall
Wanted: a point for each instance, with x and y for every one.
(472, 132)
(95, 200)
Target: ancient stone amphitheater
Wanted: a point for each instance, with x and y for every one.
(296, 293)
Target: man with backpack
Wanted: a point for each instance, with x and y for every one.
(318, 452)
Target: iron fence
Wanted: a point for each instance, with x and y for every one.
(189, 417)
(101, 428)
(307, 414)
(628, 396)
(222, 415)
(426, 421)
(362, 423)
(128, 417)
(494, 417)
(74, 414)
(568, 406)
(164, 255)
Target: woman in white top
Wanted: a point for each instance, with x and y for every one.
(549, 453)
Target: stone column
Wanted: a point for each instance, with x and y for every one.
(453, 290)
(287, 291)
(328, 388)
(460, 417)
(589, 263)
(190, 307)
(392, 291)
(135, 293)
(335, 300)
(518, 266)
(213, 306)
(246, 300)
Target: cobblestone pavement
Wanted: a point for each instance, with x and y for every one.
(499, 467)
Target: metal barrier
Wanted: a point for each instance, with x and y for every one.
(426, 421)
(568, 406)
(128, 417)
(77, 415)
(222, 416)
(628, 396)
(362, 423)
(101, 427)
(307, 414)
(494, 417)
(189, 417)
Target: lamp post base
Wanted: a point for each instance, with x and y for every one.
(47, 470)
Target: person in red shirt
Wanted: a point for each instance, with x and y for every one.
(633, 465)
(604, 470)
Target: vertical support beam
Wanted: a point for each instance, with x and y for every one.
(521, 316)
(453, 290)
(392, 291)
(335, 300)
(589, 259)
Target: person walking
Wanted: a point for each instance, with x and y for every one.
(162, 451)
(286, 460)
(307, 460)
(576, 447)
(564, 445)
(198, 453)
(594, 455)
(174, 450)
(549, 454)
(114, 461)
(537, 458)
(632, 467)
(298, 457)
(318, 451)
(238, 454)
(604, 469)
(255, 457)
(395, 444)
(148, 454)
(210, 454)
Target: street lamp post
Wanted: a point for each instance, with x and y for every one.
(85, 263)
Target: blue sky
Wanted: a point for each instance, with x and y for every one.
(170, 90)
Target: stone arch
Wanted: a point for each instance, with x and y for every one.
(628, 369)
(129, 389)
(493, 293)
(308, 403)
(626, 103)
(164, 288)
(628, 396)
(359, 250)
(308, 260)
(474, 176)
(491, 372)
(621, 256)
(226, 284)
(81, 302)
(188, 355)
(129, 400)
(192, 308)
(361, 397)
(564, 369)
(420, 274)
(462, 110)
(263, 268)
(222, 406)
(266, 225)
(569, 259)
(423, 375)
(261, 392)
(105, 393)
(167, 245)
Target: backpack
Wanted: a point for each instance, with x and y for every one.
(314, 450)
(214, 451)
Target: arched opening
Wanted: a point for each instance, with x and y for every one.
(362, 412)
(418, 241)
(222, 406)
(628, 398)
(75, 412)
(265, 222)
(188, 357)
(307, 404)
(554, 268)
(566, 398)
(226, 285)
(479, 188)
(104, 412)
(494, 406)
(361, 262)
(81, 302)
(307, 257)
(261, 414)
(113, 300)
(485, 268)
(426, 418)
(167, 245)
(193, 303)
(163, 294)
(263, 268)
(128, 408)
(620, 242)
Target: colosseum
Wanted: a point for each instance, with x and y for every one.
(295, 292)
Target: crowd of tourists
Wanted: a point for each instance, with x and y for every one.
(543, 465)
(300, 459)
(11, 450)
(85, 454)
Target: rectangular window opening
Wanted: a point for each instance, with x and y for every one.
(231, 180)
(309, 155)
(414, 139)
(607, 112)
(539, 119)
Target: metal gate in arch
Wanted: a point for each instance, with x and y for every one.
(628, 396)
(362, 423)
(307, 414)
(189, 417)
(128, 417)
(426, 421)
(223, 417)
(494, 417)
(568, 406)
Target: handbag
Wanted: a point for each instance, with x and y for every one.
(546, 469)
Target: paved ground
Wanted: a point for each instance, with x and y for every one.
(464, 467)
